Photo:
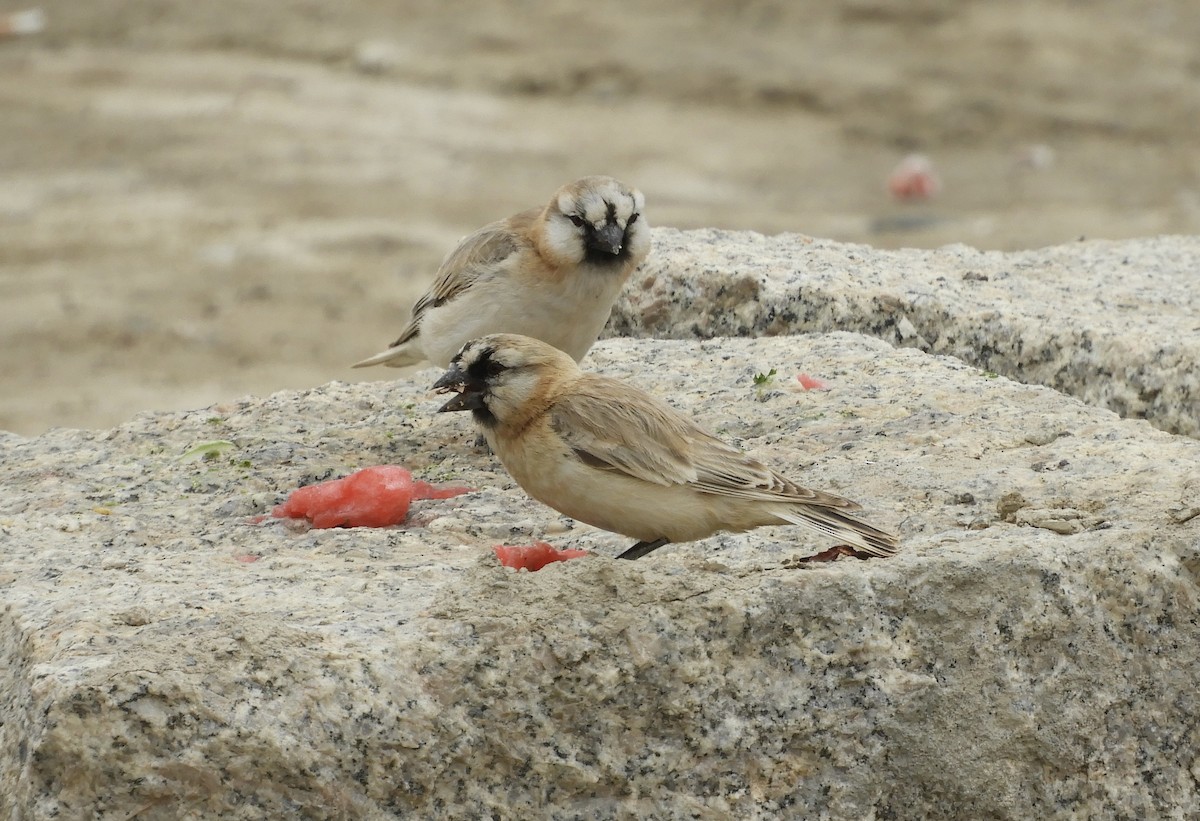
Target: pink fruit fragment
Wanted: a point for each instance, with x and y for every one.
(535, 556)
(372, 497)
(424, 490)
(914, 179)
(811, 383)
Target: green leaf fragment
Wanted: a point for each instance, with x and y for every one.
(208, 450)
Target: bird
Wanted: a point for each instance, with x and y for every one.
(552, 273)
(606, 453)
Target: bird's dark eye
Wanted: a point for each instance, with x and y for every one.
(576, 220)
(632, 220)
(485, 369)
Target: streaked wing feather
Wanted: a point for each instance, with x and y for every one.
(727, 474)
(612, 426)
(478, 255)
(843, 526)
(726, 471)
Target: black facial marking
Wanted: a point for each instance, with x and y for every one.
(483, 416)
(484, 366)
(479, 374)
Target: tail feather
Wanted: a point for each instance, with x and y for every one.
(833, 522)
(394, 357)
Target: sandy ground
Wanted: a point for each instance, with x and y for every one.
(204, 200)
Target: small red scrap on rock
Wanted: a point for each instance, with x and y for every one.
(535, 556)
(913, 178)
(811, 383)
(372, 497)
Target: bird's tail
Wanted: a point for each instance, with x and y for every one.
(395, 357)
(840, 525)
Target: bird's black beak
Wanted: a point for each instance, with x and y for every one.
(610, 239)
(466, 396)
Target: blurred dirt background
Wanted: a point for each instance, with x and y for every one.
(200, 200)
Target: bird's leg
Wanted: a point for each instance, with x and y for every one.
(642, 548)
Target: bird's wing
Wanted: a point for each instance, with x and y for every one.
(613, 426)
(724, 470)
(473, 259)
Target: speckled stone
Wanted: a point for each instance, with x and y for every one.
(1116, 324)
(1032, 652)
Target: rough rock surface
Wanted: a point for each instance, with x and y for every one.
(1114, 323)
(1032, 652)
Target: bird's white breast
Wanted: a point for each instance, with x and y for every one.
(568, 315)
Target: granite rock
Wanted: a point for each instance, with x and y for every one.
(1116, 324)
(1032, 652)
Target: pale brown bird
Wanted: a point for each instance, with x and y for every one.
(552, 273)
(606, 453)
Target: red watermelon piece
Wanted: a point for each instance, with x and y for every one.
(372, 497)
(811, 383)
(535, 556)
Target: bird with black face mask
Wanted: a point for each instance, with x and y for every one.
(552, 273)
(606, 453)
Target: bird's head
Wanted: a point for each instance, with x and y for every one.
(501, 378)
(597, 220)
